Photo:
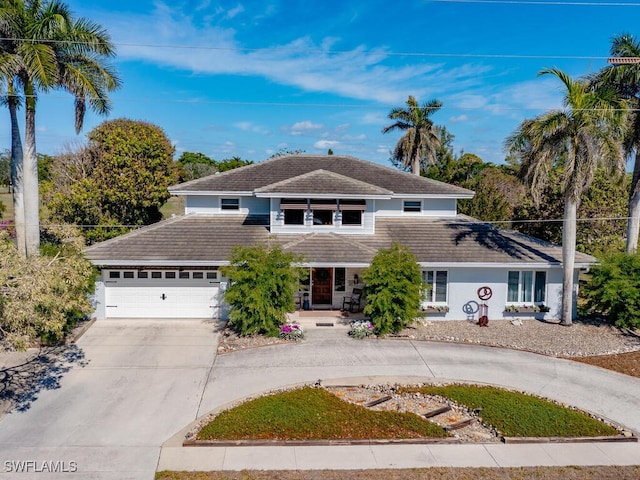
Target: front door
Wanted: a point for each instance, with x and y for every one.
(321, 286)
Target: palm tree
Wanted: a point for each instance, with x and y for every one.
(45, 48)
(625, 79)
(584, 135)
(418, 145)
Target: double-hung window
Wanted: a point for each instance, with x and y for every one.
(526, 287)
(436, 285)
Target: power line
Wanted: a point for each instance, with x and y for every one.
(307, 51)
(544, 3)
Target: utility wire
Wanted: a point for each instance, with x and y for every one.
(544, 3)
(307, 51)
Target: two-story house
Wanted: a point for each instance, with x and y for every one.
(336, 212)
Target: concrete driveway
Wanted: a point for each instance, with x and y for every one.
(139, 382)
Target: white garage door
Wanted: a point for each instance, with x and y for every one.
(168, 296)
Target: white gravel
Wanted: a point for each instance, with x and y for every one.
(580, 340)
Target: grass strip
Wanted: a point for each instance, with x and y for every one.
(312, 414)
(519, 415)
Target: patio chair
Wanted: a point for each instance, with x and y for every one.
(353, 301)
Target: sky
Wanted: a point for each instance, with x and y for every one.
(252, 78)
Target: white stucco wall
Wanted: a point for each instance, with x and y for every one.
(464, 283)
(431, 207)
(211, 204)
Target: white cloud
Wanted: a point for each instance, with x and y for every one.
(324, 144)
(237, 10)
(459, 118)
(204, 45)
(251, 127)
(302, 128)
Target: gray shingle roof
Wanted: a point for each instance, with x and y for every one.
(262, 174)
(322, 182)
(207, 238)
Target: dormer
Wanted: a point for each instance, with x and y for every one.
(322, 201)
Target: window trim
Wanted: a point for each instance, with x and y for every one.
(520, 294)
(412, 206)
(229, 203)
(433, 289)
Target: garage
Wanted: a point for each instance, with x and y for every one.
(162, 293)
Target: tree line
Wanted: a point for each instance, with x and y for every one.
(597, 129)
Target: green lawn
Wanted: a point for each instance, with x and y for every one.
(313, 413)
(518, 415)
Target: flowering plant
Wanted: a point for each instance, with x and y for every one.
(361, 329)
(291, 331)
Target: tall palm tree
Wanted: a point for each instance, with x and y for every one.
(582, 136)
(45, 48)
(625, 79)
(418, 145)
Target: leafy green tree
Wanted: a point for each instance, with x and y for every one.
(129, 170)
(625, 79)
(613, 289)
(417, 147)
(195, 165)
(498, 193)
(393, 289)
(263, 283)
(45, 48)
(601, 214)
(583, 136)
(231, 163)
(195, 157)
(41, 297)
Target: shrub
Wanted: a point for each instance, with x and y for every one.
(614, 289)
(393, 289)
(263, 283)
(41, 297)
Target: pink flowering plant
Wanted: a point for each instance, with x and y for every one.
(291, 331)
(361, 329)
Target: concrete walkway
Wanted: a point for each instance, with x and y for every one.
(118, 414)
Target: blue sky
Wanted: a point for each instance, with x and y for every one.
(249, 78)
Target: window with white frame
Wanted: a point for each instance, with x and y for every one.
(412, 206)
(230, 203)
(526, 286)
(436, 285)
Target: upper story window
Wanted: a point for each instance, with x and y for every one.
(412, 206)
(229, 203)
(323, 211)
(294, 210)
(526, 286)
(351, 211)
